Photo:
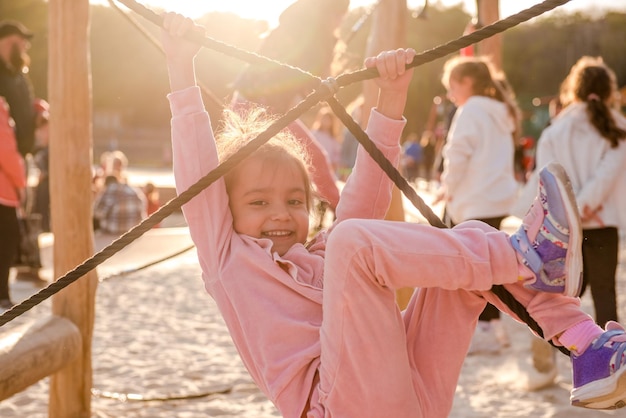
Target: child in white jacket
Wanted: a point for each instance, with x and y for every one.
(587, 139)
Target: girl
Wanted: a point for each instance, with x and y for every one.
(363, 357)
(588, 139)
(478, 176)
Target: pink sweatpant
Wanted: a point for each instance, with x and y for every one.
(379, 362)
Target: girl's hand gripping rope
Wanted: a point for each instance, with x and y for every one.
(179, 51)
(393, 81)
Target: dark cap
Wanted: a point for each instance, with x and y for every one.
(12, 27)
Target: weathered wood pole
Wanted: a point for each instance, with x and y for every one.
(69, 75)
(488, 13)
(388, 32)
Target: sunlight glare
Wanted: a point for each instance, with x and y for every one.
(251, 9)
(270, 10)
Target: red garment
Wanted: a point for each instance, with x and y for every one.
(12, 173)
(153, 206)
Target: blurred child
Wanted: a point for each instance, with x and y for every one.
(588, 137)
(120, 207)
(152, 199)
(479, 177)
(42, 151)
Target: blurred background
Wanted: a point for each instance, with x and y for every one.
(129, 75)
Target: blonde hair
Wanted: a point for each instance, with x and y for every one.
(238, 128)
(487, 81)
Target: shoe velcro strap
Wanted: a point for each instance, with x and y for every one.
(606, 336)
(523, 245)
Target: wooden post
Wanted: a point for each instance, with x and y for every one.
(388, 32)
(488, 13)
(69, 76)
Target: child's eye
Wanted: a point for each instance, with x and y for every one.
(296, 202)
(258, 203)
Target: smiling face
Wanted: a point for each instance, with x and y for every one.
(269, 199)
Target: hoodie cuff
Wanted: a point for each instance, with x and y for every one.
(186, 102)
(384, 130)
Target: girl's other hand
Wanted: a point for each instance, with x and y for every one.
(175, 26)
(179, 51)
(391, 65)
(393, 81)
(591, 215)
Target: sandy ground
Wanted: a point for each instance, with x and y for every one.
(158, 335)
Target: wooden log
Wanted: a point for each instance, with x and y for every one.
(69, 84)
(35, 350)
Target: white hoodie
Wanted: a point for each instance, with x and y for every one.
(478, 170)
(597, 171)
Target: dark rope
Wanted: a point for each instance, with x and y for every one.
(319, 94)
(147, 265)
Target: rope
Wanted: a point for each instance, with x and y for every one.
(147, 265)
(324, 92)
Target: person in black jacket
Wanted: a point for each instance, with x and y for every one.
(17, 90)
(15, 85)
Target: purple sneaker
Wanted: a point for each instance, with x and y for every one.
(549, 240)
(600, 372)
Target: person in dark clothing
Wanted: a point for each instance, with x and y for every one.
(17, 90)
(41, 204)
(15, 86)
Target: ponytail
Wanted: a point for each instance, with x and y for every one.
(592, 82)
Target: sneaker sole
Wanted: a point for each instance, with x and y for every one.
(614, 400)
(574, 258)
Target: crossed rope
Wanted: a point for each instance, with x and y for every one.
(325, 91)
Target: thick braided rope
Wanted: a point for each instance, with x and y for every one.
(324, 92)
